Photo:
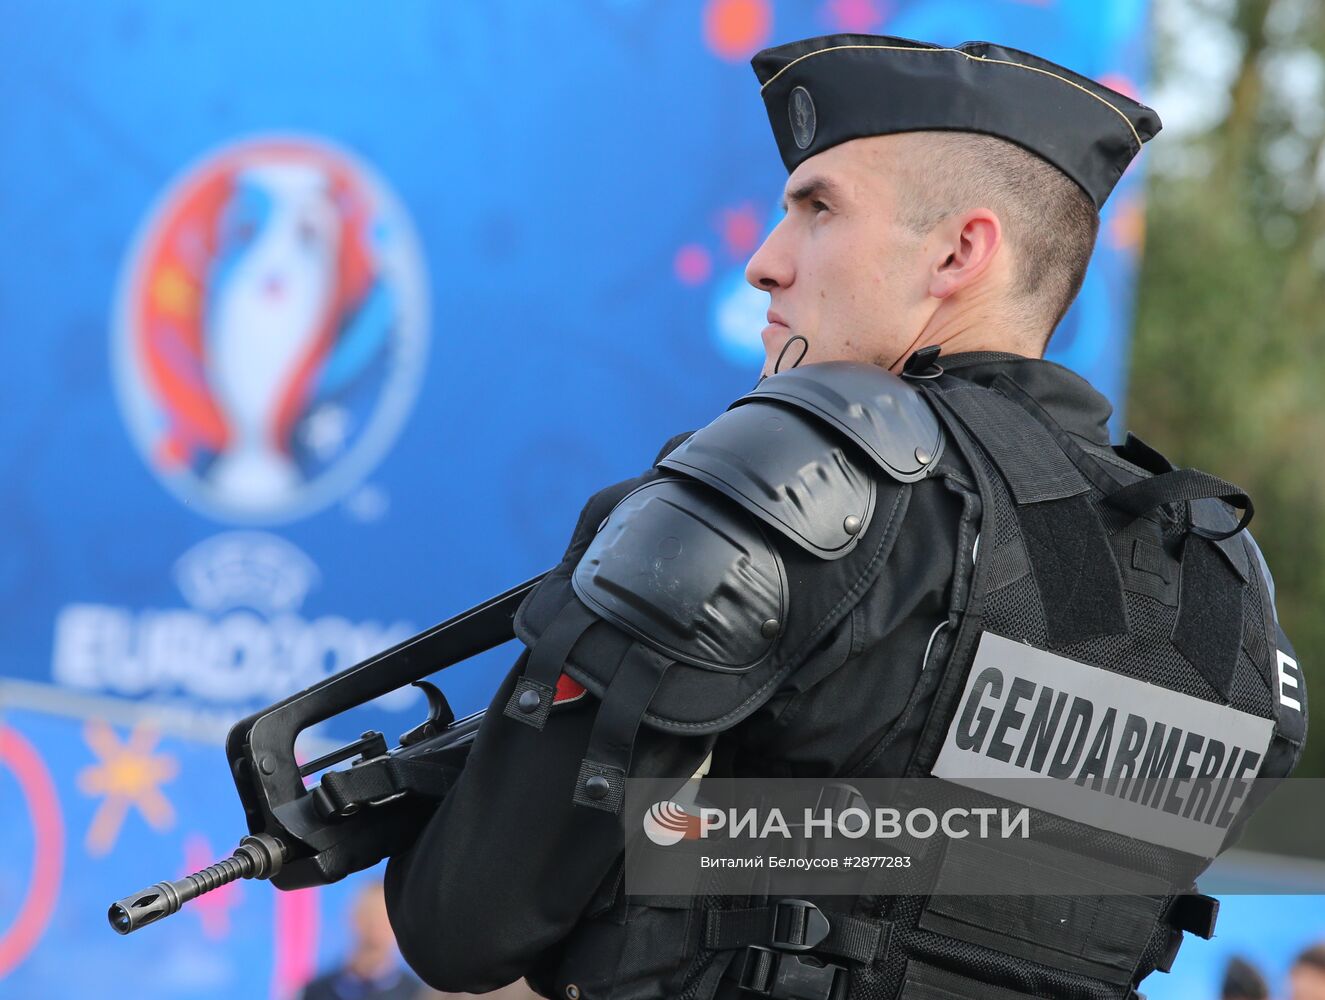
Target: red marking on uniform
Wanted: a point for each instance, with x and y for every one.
(38, 790)
(692, 264)
(568, 690)
(734, 29)
(740, 230)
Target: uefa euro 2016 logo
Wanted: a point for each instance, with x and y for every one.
(271, 329)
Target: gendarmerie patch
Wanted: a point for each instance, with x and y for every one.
(801, 110)
(1125, 756)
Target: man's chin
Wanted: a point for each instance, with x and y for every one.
(774, 336)
(782, 349)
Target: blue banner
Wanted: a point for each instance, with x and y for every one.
(321, 322)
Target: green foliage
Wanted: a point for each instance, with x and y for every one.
(1228, 361)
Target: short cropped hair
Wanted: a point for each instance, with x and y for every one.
(1050, 221)
(1313, 957)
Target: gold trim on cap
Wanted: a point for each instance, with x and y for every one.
(984, 59)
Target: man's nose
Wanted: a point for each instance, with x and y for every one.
(770, 267)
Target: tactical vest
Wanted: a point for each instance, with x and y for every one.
(732, 564)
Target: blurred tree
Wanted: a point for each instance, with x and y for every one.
(1228, 361)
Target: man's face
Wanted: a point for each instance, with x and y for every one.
(371, 923)
(1306, 982)
(840, 269)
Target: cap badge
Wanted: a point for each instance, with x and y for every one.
(801, 110)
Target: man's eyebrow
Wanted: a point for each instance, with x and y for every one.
(810, 188)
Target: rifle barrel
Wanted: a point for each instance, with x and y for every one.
(258, 856)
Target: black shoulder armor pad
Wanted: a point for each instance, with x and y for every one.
(883, 414)
(779, 450)
(788, 469)
(686, 572)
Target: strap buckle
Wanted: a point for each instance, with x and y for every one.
(798, 925)
(782, 976)
(1193, 913)
(923, 364)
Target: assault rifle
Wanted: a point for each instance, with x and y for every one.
(352, 818)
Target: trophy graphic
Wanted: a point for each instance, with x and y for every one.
(271, 329)
(268, 320)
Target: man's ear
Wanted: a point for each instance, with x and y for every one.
(971, 241)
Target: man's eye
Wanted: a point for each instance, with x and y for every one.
(819, 206)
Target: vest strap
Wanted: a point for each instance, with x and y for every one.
(928, 982)
(1026, 453)
(1183, 485)
(1048, 478)
(1170, 953)
(1194, 913)
(342, 793)
(601, 783)
(1209, 628)
(786, 976)
(536, 689)
(1099, 475)
(796, 925)
(1140, 454)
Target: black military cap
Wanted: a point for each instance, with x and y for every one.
(823, 91)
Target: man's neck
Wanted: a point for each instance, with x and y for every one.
(960, 331)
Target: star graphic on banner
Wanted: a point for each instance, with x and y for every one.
(128, 774)
(212, 908)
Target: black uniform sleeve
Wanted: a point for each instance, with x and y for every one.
(506, 866)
